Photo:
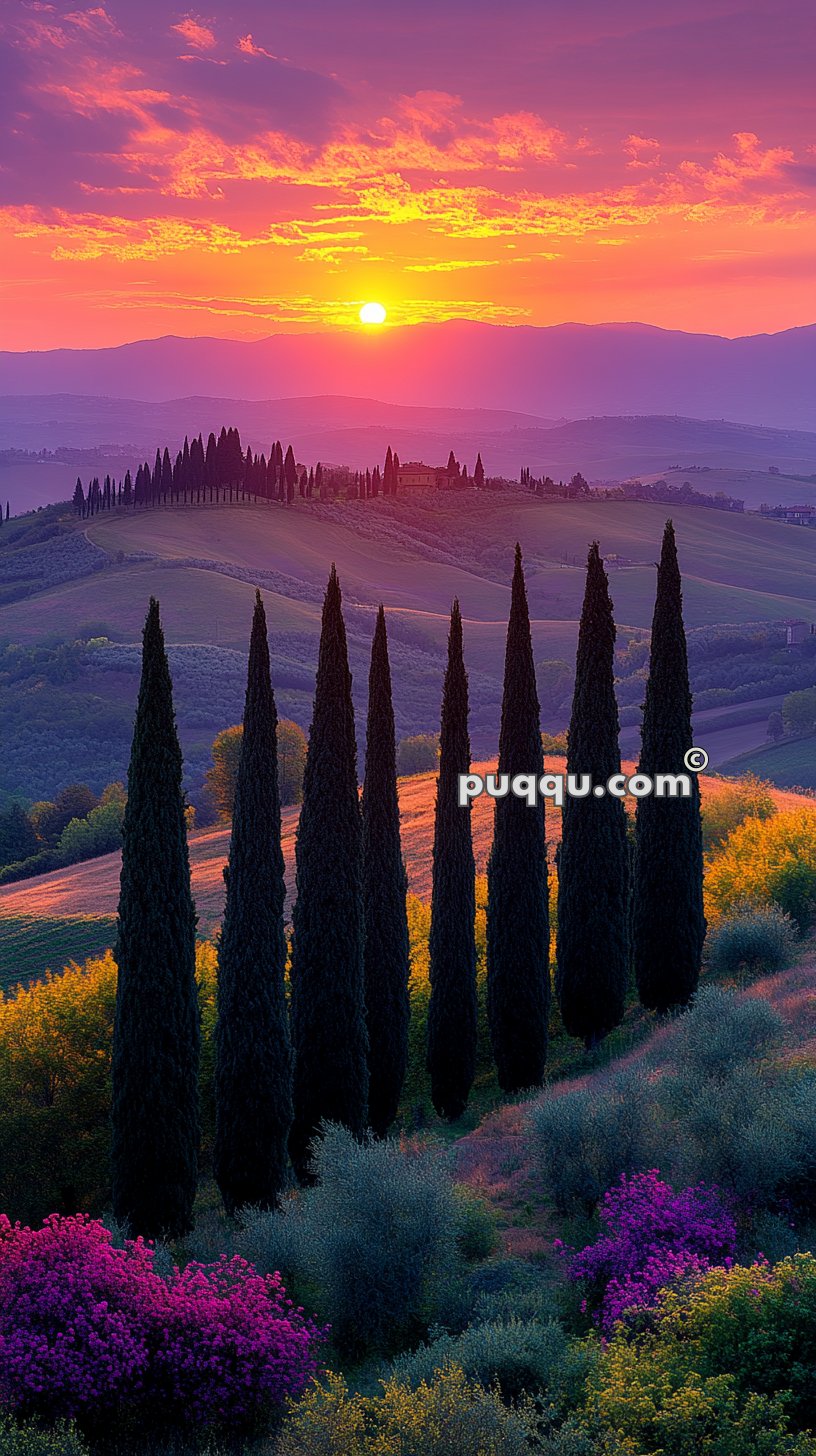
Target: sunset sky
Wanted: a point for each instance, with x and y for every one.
(256, 167)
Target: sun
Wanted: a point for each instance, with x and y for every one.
(372, 313)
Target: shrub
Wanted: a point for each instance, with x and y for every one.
(417, 754)
(88, 1330)
(374, 1240)
(762, 862)
(55, 1054)
(727, 1367)
(730, 804)
(447, 1416)
(30, 1439)
(581, 1140)
(652, 1237)
(508, 1289)
(753, 942)
(476, 1235)
(722, 1032)
(720, 1111)
(519, 1357)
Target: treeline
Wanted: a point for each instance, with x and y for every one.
(223, 472)
(75, 826)
(336, 1049)
(662, 491)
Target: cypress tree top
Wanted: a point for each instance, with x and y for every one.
(668, 919)
(328, 994)
(156, 1029)
(452, 945)
(518, 942)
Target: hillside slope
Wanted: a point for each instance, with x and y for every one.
(57, 906)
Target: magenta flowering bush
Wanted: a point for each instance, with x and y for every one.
(87, 1329)
(653, 1238)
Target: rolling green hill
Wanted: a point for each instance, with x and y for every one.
(413, 553)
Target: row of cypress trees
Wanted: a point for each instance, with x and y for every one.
(340, 1053)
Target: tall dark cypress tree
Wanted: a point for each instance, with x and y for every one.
(593, 873)
(384, 890)
(253, 1058)
(668, 923)
(329, 1034)
(518, 922)
(156, 1025)
(452, 1008)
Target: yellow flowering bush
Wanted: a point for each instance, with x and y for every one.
(766, 861)
(56, 1039)
(441, 1417)
(724, 1369)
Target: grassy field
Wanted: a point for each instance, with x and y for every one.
(31, 944)
(792, 763)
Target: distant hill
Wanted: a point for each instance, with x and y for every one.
(570, 370)
(357, 432)
(414, 555)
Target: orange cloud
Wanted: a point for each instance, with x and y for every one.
(195, 33)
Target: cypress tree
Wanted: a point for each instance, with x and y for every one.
(253, 1059)
(452, 1007)
(668, 923)
(518, 929)
(329, 1034)
(156, 1023)
(593, 876)
(384, 890)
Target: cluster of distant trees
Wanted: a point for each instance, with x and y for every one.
(75, 826)
(657, 490)
(544, 485)
(222, 471)
(337, 1051)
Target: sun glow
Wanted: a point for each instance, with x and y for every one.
(372, 313)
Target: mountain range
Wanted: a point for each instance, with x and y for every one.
(565, 371)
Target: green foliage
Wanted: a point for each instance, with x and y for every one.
(520, 1357)
(755, 941)
(725, 1370)
(668, 924)
(732, 803)
(583, 1138)
(32, 1439)
(764, 863)
(17, 837)
(592, 940)
(719, 1110)
(221, 778)
(253, 1070)
(329, 1034)
(518, 932)
(448, 1416)
(799, 711)
(155, 1113)
(417, 754)
(373, 1243)
(476, 1232)
(99, 833)
(452, 1011)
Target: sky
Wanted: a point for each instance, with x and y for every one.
(254, 167)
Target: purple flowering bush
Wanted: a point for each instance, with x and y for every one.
(87, 1329)
(653, 1238)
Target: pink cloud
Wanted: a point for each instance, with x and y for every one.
(196, 34)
